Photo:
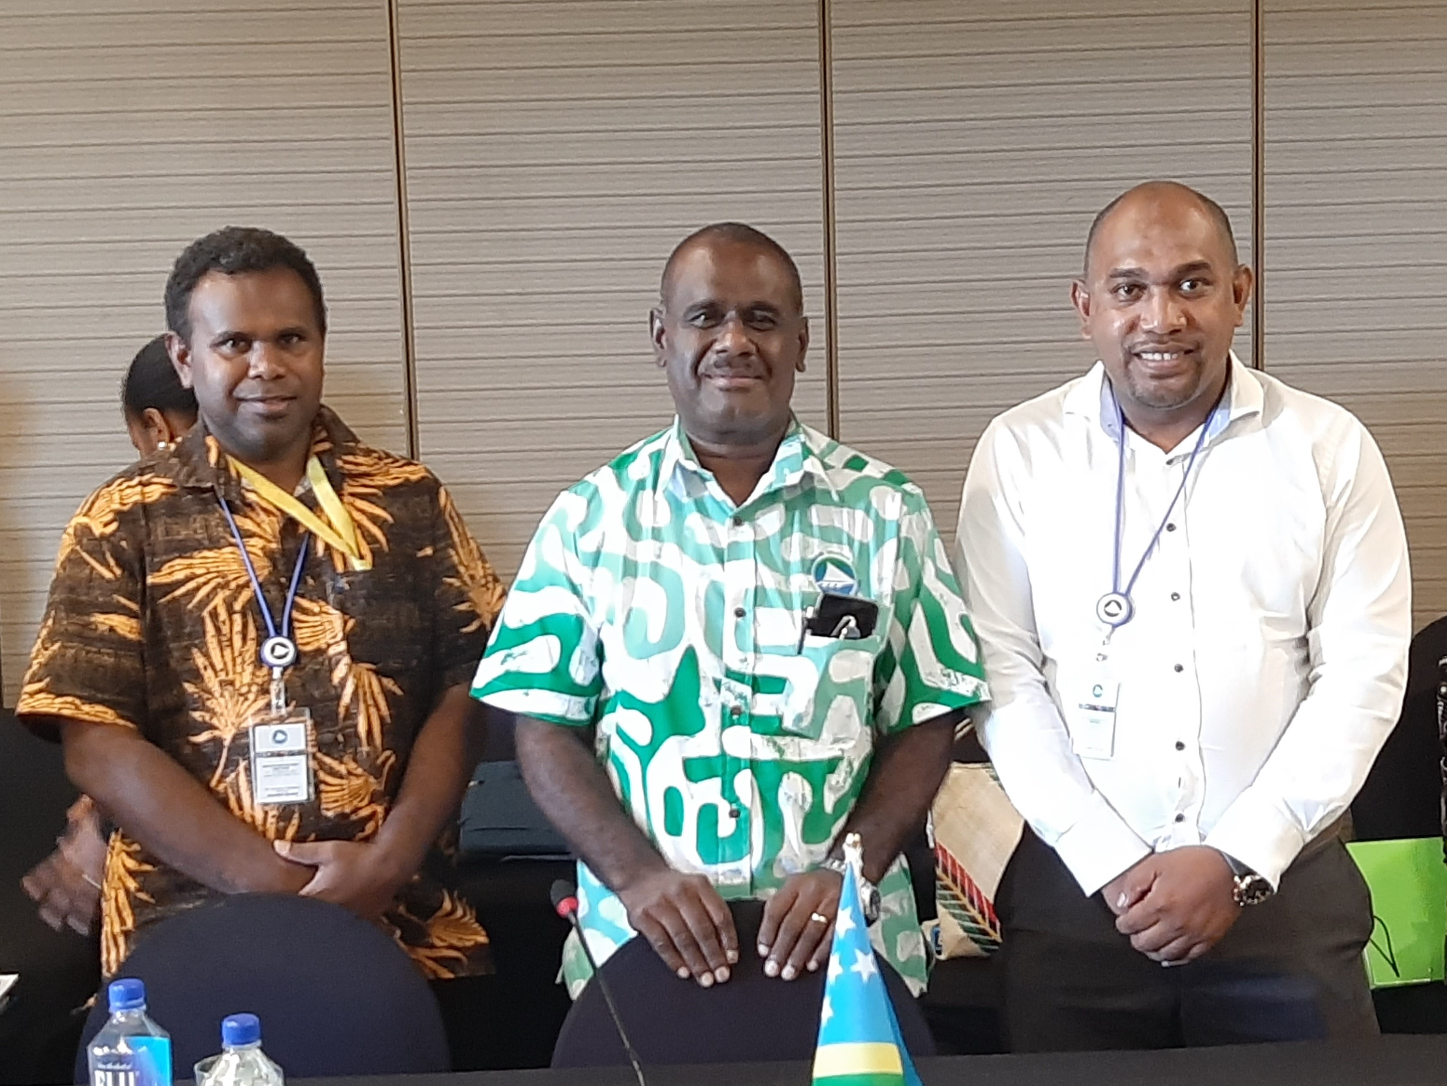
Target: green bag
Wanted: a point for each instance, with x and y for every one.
(1408, 881)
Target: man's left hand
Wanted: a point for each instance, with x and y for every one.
(1188, 908)
(791, 937)
(356, 875)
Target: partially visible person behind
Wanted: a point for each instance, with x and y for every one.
(269, 576)
(66, 885)
(158, 408)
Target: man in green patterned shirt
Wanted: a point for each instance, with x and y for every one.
(761, 631)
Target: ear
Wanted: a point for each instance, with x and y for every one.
(175, 430)
(803, 343)
(1080, 299)
(155, 424)
(1241, 284)
(180, 358)
(656, 335)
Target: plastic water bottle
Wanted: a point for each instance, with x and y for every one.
(241, 1063)
(130, 1050)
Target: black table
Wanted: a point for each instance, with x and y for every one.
(1389, 1061)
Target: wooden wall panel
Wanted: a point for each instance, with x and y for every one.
(973, 148)
(127, 129)
(1356, 236)
(555, 153)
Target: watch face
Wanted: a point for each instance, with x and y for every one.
(871, 904)
(1252, 890)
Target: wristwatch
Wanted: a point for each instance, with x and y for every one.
(868, 892)
(1249, 888)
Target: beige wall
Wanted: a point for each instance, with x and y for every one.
(554, 151)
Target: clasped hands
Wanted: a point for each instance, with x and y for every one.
(358, 875)
(692, 930)
(1174, 905)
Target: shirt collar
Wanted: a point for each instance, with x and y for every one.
(1092, 398)
(795, 458)
(199, 462)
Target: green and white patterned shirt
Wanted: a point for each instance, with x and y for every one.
(651, 607)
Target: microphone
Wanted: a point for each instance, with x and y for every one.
(565, 904)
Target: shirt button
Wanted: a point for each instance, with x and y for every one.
(737, 522)
(1180, 745)
(1180, 818)
(1170, 527)
(734, 812)
(736, 711)
(738, 612)
(1175, 596)
(1180, 667)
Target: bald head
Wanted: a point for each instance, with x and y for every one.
(731, 233)
(1158, 198)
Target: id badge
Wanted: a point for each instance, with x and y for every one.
(1093, 702)
(281, 762)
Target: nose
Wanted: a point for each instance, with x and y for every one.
(1163, 312)
(265, 361)
(733, 337)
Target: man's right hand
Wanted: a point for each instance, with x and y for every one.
(686, 921)
(66, 884)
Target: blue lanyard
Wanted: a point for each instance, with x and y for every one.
(1116, 609)
(278, 651)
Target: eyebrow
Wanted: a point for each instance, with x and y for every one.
(238, 333)
(1195, 267)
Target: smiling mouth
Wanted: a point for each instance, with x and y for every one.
(733, 380)
(270, 405)
(1164, 359)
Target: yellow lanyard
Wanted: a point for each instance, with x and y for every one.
(340, 533)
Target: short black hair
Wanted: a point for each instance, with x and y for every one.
(151, 381)
(742, 234)
(1210, 206)
(233, 250)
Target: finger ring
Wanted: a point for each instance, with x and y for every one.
(818, 918)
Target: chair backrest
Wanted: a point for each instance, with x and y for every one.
(1402, 796)
(334, 994)
(750, 1019)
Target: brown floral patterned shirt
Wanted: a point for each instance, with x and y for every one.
(152, 624)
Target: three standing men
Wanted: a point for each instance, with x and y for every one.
(1190, 583)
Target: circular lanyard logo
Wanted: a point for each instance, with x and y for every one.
(835, 574)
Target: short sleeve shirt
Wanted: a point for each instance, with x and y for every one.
(152, 624)
(651, 608)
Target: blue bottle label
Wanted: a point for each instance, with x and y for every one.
(153, 1060)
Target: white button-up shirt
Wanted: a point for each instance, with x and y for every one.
(1265, 662)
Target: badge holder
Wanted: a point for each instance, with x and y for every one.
(281, 763)
(1093, 732)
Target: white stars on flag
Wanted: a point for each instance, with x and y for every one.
(864, 965)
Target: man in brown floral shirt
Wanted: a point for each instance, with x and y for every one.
(148, 665)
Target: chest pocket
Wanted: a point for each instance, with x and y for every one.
(393, 635)
(828, 694)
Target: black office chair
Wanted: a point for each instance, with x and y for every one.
(1402, 794)
(58, 970)
(1402, 798)
(335, 995)
(751, 1019)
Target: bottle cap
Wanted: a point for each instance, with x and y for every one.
(127, 994)
(240, 1029)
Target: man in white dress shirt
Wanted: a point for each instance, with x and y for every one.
(1190, 582)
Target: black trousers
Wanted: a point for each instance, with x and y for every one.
(1289, 969)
